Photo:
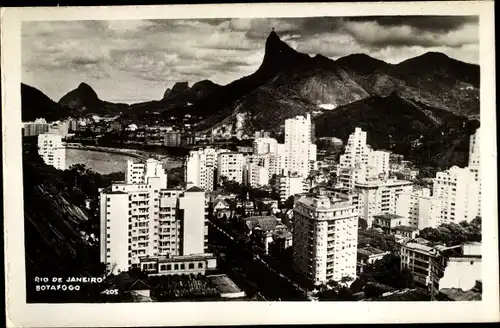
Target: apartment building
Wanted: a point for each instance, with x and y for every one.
(427, 262)
(463, 270)
(299, 150)
(201, 167)
(61, 128)
(421, 209)
(144, 222)
(289, 185)
(230, 165)
(380, 196)
(39, 126)
(324, 238)
(256, 175)
(475, 163)
(459, 192)
(52, 150)
(360, 163)
(138, 172)
(265, 145)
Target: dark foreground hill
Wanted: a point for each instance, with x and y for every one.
(59, 227)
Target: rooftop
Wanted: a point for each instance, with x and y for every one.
(195, 189)
(388, 216)
(266, 223)
(370, 250)
(223, 284)
(456, 294)
(406, 228)
(380, 183)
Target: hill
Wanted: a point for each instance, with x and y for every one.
(35, 104)
(433, 79)
(84, 100)
(59, 225)
(425, 135)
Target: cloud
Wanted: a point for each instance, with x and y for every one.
(126, 60)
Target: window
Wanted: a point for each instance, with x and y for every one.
(163, 267)
(183, 266)
(191, 265)
(200, 265)
(169, 267)
(176, 266)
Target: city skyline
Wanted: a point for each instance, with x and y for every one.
(145, 57)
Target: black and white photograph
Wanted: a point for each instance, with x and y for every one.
(278, 159)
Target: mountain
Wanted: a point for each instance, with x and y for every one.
(425, 135)
(180, 96)
(84, 99)
(433, 79)
(287, 83)
(35, 104)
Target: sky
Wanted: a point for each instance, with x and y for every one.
(137, 60)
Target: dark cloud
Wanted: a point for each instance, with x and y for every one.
(424, 23)
(84, 61)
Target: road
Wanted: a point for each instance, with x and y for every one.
(268, 267)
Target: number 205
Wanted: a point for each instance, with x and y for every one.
(111, 292)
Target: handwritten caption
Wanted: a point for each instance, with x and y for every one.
(63, 284)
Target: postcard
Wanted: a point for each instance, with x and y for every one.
(250, 164)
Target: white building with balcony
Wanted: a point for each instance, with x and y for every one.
(142, 221)
(380, 197)
(325, 237)
(231, 165)
(52, 150)
(459, 192)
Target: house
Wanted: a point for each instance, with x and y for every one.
(220, 208)
(387, 222)
(267, 205)
(405, 231)
(368, 255)
(268, 229)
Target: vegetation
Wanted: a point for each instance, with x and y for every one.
(388, 271)
(61, 223)
(453, 234)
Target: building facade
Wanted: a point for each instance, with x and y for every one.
(230, 165)
(421, 209)
(299, 150)
(39, 126)
(324, 238)
(289, 185)
(459, 192)
(201, 166)
(380, 197)
(142, 220)
(52, 150)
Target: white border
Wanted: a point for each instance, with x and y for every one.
(222, 313)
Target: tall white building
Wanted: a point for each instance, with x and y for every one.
(52, 150)
(459, 191)
(146, 225)
(289, 185)
(378, 163)
(138, 172)
(475, 162)
(421, 209)
(230, 165)
(360, 163)
(299, 151)
(256, 175)
(380, 197)
(201, 167)
(325, 238)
